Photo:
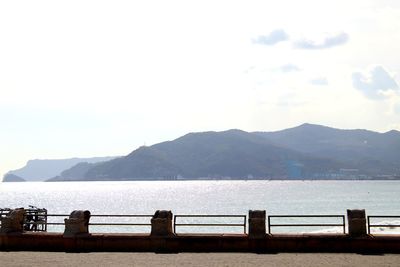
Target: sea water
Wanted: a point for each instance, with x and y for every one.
(206, 197)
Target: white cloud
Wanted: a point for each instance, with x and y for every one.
(319, 81)
(375, 83)
(290, 68)
(272, 38)
(327, 42)
(396, 109)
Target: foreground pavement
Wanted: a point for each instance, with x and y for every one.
(43, 259)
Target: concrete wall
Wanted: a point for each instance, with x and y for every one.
(162, 239)
(198, 243)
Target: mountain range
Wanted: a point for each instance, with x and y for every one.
(43, 169)
(373, 153)
(304, 152)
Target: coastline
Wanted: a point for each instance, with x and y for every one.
(206, 179)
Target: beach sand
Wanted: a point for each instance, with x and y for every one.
(194, 259)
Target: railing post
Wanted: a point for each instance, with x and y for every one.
(77, 223)
(269, 225)
(13, 221)
(175, 224)
(244, 224)
(161, 223)
(344, 224)
(257, 224)
(357, 223)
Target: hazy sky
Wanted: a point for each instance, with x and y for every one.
(96, 78)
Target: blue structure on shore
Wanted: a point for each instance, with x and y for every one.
(294, 169)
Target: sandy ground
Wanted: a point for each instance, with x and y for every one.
(194, 259)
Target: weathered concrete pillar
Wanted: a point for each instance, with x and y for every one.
(257, 224)
(77, 223)
(357, 223)
(161, 223)
(13, 222)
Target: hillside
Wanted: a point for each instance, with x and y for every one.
(43, 169)
(75, 173)
(304, 152)
(12, 178)
(374, 153)
(231, 154)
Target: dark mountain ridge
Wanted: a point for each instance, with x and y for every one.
(12, 178)
(43, 169)
(307, 151)
(231, 154)
(374, 153)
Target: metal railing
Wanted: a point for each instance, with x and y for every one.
(381, 225)
(342, 225)
(35, 219)
(121, 216)
(38, 220)
(4, 212)
(93, 216)
(190, 224)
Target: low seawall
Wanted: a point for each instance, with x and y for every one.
(163, 238)
(29, 241)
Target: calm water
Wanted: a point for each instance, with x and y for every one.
(206, 197)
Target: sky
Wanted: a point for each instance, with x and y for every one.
(101, 78)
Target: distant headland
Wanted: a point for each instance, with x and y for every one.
(307, 151)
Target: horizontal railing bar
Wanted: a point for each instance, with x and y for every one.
(134, 215)
(99, 215)
(382, 216)
(121, 224)
(133, 224)
(306, 216)
(371, 217)
(342, 224)
(203, 215)
(384, 225)
(188, 216)
(119, 215)
(295, 225)
(207, 224)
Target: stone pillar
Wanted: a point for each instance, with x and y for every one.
(13, 221)
(257, 224)
(161, 223)
(357, 223)
(77, 223)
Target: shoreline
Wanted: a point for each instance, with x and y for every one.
(205, 180)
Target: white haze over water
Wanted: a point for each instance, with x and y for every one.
(207, 197)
